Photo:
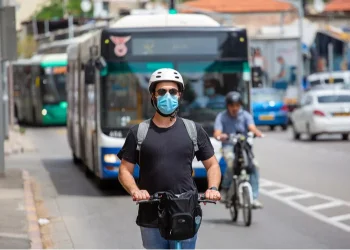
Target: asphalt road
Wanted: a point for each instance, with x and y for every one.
(315, 172)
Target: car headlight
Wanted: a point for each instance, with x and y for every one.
(110, 158)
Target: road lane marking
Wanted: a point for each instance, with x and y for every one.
(341, 217)
(282, 190)
(313, 211)
(326, 205)
(265, 184)
(61, 131)
(299, 196)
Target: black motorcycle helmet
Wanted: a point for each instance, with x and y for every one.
(233, 97)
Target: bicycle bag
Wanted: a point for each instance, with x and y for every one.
(179, 216)
(244, 159)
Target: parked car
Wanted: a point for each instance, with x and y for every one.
(329, 78)
(269, 108)
(323, 112)
(328, 86)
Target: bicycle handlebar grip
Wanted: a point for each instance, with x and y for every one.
(202, 199)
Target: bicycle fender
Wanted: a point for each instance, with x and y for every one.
(240, 190)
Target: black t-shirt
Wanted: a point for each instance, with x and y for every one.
(166, 162)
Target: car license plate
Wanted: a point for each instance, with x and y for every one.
(341, 114)
(266, 117)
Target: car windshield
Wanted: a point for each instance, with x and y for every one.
(125, 99)
(54, 85)
(328, 86)
(333, 98)
(267, 96)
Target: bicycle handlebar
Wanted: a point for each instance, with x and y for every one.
(156, 198)
(238, 136)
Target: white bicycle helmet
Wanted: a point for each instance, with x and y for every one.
(165, 74)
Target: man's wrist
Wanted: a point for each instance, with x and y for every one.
(213, 188)
(133, 191)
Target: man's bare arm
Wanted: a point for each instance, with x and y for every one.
(126, 178)
(255, 130)
(213, 172)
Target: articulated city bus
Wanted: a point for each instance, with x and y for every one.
(55, 47)
(110, 69)
(39, 89)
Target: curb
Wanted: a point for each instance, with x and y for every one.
(33, 226)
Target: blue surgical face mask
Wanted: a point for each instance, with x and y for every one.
(210, 91)
(167, 103)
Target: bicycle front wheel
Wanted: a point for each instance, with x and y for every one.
(247, 207)
(234, 208)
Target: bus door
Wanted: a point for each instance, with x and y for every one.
(36, 94)
(16, 76)
(76, 108)
(27, 94)
(82, 110)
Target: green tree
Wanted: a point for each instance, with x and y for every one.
(26, 47)
(55, 10)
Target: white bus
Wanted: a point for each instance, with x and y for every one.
(109, 72)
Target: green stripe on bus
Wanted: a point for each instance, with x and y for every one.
(219, 67)
(53, 64)
(246, 67)
(195, 66)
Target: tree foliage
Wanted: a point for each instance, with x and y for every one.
(55, 10)
(26, 47)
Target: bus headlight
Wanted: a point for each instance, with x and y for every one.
(110, 158)
(44, 112)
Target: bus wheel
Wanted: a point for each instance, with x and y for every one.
(76, 161)
(88, 173)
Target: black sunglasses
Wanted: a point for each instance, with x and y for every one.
(162, 92)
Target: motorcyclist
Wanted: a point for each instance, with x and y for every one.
(234, 119)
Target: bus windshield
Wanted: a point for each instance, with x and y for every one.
(125, 100)
(54, 85)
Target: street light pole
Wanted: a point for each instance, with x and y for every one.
(2, 113)
(301, 61)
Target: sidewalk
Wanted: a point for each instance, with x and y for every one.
(19, 227)
(17, 142)
(13, 216)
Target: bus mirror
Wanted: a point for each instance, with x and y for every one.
(101, 63)
(89, 73)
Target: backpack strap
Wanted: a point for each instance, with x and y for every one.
(142, 132)
(192, 132)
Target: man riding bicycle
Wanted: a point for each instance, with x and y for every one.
(234, 119)
(166, 157)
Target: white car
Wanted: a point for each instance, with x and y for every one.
(323, 112)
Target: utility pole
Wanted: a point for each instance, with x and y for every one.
(2, 115)
(172, 7)
(8, 52)
(171, 4)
